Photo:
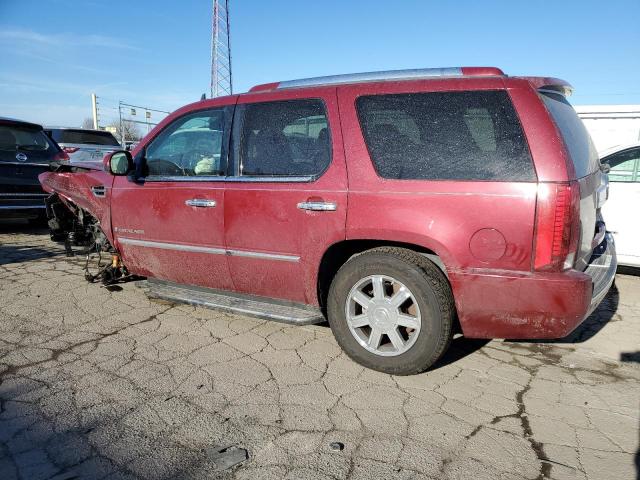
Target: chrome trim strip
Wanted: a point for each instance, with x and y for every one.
(28, 164)
(238, 179)
(24, 194)
(21, 207)
(171, 246)
(182, 178)
(268, 256)
(272, 179)
(385, 75)
(211, 250)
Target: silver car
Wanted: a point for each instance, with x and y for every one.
(84, 145)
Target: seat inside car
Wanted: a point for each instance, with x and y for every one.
(7, 139)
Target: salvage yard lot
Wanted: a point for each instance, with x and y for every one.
(104, 383)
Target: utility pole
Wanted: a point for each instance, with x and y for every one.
(123, 142)
(221, 81)
(94, 110)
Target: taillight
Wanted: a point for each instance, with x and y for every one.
(61, 157)
(70, 149)
(557, 226)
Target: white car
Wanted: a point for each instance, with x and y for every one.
(620, 212)
(84, 145)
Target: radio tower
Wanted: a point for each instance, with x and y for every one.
(220, 50)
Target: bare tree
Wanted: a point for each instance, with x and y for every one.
(87, 123)
(130, 130)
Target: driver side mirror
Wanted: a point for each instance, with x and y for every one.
(119, 163)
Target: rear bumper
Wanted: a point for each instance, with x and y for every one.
(494, 304)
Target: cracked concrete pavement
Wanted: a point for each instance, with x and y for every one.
(104, 383)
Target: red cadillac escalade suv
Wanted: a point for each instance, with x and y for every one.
(398, 205)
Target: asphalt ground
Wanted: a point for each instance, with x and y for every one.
(102, 382)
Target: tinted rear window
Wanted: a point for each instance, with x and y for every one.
(284, 138)
(15, 137)
(84, 136)
(581, 149)
(445, 136)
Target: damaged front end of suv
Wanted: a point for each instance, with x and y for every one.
(78, 215)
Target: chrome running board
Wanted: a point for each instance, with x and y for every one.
(252, 306)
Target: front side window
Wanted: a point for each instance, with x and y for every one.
(624, 165)
(285, 138)
(191, 146)
(445, 136)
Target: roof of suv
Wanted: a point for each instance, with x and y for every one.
(411, 74)
(15, 121)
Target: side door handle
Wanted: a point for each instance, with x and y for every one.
(318, 206)
(197, 202)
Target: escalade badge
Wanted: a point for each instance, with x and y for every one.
(21, 157)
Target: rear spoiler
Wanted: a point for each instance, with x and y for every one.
(550, 84)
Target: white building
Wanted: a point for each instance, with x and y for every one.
(611, 125)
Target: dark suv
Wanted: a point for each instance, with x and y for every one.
(395, 204)
(25, 152)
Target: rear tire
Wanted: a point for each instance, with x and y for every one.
(399, 340)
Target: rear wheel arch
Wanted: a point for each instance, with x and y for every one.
(339, 253)
(378, 335)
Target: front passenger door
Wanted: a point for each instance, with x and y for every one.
(170, 224)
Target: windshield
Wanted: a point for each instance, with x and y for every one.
(581, 149)
(15, 137)
(90, 137)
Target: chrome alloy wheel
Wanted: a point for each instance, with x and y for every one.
(383, 315)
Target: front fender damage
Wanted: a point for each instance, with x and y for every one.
(77, 227)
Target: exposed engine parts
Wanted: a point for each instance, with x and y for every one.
(76, 227)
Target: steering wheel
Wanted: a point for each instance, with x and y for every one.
(165, 167)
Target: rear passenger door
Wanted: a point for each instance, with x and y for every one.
(286, 201)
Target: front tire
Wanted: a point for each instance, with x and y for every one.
(391, 310)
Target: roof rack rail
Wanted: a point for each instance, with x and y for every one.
(381, 76)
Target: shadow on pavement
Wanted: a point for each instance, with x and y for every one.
(25, 252)
(460, 347)
(34, 444)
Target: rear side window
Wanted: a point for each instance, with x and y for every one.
(284, 138)
(576, 138)
(15, 137)
(84, 136)
(445, 136)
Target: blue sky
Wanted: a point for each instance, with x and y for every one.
(54, 53)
